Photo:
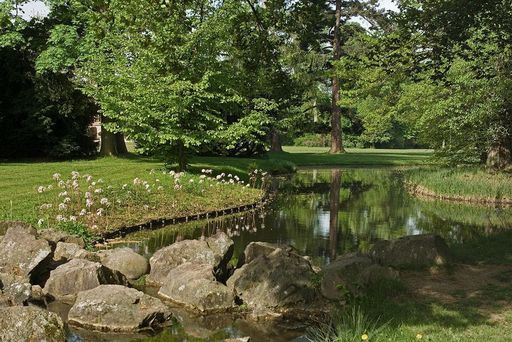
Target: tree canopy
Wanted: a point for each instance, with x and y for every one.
(240, 77)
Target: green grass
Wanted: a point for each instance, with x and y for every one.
(19, 199)
(399, 316)
(468, 183)
(319, 156)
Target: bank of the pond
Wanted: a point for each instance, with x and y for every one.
(472, 185)
(105, 194)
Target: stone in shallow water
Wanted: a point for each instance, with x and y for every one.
(67, 280)
(28, 323)
(195, 287)
(412, 251)
(117, 308)
(21, 252)
(215, 251)
(126, 261)
(279, 281)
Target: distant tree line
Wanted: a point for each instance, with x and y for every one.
(240, 77)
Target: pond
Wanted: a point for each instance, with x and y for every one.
(322, 213)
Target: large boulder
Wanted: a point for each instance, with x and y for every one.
(28, 323)
(256, 249)
(415, 251)
(21, 252)
(17, 291)
(352, 272)
(67, 280)
(215, 251)
(117, 308)
(276, 282)
(55, 236)
(65, 251)
(132, 265)
(194, 286)
(5, 225)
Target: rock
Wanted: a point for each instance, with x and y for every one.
(117, 308)
(195, 287)
(215, 251)
(79, 275)
(65, 251)
(5, 225)
(29, 323)
(238, 339)
(257, 248)
(21, 253)
(4, 301)
(352, 272)
(223, 248)
(55, 236)
(16, 290)
(414, 251)
(126, 261)
(18, 293)
(37, 293)
(278, 281)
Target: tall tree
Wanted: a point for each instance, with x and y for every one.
(66, 50)
(336, 134)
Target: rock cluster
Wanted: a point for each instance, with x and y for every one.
(269, 280)
(95, 283)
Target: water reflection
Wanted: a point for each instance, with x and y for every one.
(323, 213)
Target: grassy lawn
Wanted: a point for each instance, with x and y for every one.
(469, 183)
(153, 197)
(318, 156)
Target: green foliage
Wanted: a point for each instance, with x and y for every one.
(78, 229)
(350, 325)
(41, 115)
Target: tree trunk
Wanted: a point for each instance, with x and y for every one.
(121, 144)
(499, 157)
(275, 141)
(108, 140)
(336, 139)
(334, 207)
(181, 157)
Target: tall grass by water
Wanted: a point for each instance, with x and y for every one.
(466, 184)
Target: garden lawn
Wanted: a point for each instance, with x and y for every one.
(21, 200)
(319, 156)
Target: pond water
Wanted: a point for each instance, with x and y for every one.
(322, 213)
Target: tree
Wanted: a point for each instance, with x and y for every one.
(65, 50)
(41, 115)
(336, 138)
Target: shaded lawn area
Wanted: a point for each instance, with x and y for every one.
(469, 301)
(319, 156)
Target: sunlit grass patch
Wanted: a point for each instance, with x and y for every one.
(110, 193)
